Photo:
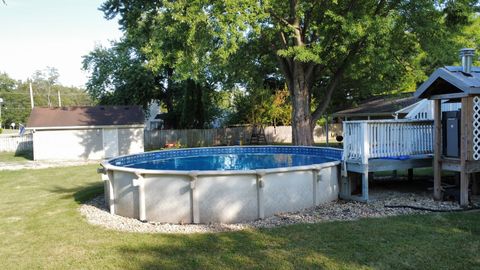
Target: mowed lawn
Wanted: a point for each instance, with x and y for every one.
(40, 227)
(16, 158)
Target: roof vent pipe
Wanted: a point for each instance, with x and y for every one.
(466, 54)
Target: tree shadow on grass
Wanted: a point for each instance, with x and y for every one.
(406, 242)
(26, 154)
(409, 242)
(80, 194)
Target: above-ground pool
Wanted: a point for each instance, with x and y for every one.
(220, 184)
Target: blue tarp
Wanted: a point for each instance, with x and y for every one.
(396, 157)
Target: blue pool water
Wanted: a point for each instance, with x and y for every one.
(224, 162)
(229, 158)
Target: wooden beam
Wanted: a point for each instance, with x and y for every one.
(448, 96)
(473, 166)
(437, 149)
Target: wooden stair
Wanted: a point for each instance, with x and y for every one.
(258, 135)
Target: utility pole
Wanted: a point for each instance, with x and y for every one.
(31, 96)
(1, 102)
(59, 98)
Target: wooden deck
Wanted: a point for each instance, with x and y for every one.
(383, 145)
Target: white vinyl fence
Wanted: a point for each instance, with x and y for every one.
(230, 136)
(16, 143)
(386, 138)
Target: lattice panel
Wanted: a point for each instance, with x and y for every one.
(476, 128)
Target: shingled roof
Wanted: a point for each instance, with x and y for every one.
(379, 106)
(450, 80)
(85, 116)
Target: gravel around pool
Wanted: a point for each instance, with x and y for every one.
(96, 213)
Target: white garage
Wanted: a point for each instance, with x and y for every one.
(87, 132)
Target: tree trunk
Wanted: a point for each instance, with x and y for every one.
(302, 131)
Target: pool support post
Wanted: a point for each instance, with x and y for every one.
(140, 183)
(260, 185)
(195, 210)
(107, 177)
(317, 177)
(111, 193)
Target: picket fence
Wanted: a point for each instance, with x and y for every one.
(16, 143)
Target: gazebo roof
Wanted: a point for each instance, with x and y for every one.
(450, 82)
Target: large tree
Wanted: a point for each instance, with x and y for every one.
(119, 76)
(317, 44)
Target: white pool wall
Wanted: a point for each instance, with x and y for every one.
(217, 196)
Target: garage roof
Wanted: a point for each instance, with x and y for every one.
(85, 116)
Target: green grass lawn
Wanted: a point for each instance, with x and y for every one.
(40, 227)
(16, 157)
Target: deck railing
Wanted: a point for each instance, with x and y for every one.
(386, 138)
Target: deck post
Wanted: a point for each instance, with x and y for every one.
(365, 185)
(465, 147)
(437, 149)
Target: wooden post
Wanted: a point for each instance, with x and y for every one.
(466, 134)
(437, 149)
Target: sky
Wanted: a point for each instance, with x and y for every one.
(35, 34)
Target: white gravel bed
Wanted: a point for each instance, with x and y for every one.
(96, 213)
(13, 166)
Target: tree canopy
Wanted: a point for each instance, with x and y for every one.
(319, 49)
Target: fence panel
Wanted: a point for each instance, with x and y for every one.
(230, 136)
(16, 143)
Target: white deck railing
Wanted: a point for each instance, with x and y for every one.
(386, 138)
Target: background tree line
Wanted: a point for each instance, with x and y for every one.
(16, 105)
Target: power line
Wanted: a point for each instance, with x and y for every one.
(44, 94)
